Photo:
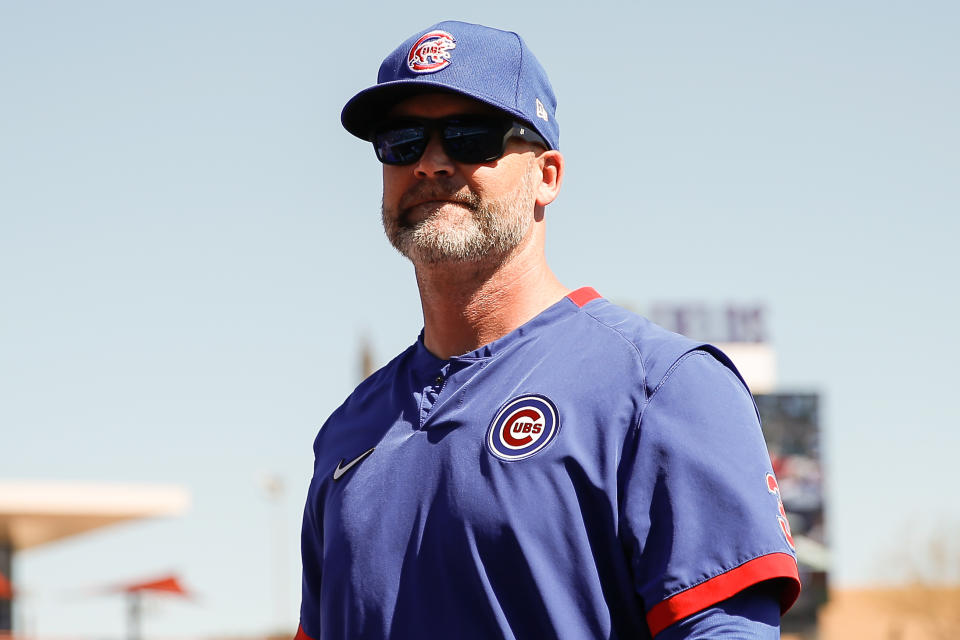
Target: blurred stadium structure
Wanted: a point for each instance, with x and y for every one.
(34, 514)
(135, 592)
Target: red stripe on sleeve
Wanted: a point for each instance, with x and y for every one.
(583, 295)
(726, 585)
(301, 635)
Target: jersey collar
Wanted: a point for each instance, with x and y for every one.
(566, 307)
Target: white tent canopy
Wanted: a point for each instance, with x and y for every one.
(34, 513)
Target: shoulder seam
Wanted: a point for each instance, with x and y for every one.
(700, 350)
(692, 352)
(630, 342)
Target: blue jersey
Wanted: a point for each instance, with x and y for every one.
(588, 475)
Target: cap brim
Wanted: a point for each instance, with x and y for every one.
(369, 107)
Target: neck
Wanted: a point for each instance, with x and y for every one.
(469, 304)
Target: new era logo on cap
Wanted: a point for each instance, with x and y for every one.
(542, 111)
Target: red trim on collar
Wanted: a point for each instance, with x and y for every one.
(583, 295)
(726, 585)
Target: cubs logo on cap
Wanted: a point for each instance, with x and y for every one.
(524, 426)
(431, 52)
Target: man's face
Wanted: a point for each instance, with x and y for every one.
(437, 210)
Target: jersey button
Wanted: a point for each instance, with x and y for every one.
(438, 380)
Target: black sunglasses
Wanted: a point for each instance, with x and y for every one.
(469, 139)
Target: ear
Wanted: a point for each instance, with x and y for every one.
(551, 170)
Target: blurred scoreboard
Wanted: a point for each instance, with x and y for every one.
(791, 428)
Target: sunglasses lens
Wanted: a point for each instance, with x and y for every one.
(466, 139)
(400, 144)
(473, 142)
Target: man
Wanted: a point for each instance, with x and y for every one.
(540, 463)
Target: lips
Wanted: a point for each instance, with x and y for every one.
(423, 210)
(441, 190)
(435, 199)
(430, 203)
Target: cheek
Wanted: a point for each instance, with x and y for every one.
(500, 189)
(509, 175)
(393, 185)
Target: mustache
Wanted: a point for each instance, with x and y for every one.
(440, 189)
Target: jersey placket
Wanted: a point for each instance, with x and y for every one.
(440, 388)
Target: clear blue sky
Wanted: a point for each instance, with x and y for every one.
(190, 249)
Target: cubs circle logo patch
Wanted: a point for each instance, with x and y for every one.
(431, 52)
(524, 426)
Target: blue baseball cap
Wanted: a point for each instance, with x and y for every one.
(493, 66)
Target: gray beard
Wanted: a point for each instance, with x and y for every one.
(491, 231)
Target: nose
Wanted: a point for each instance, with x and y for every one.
(434, 161)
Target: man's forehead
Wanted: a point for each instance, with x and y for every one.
(439, 104)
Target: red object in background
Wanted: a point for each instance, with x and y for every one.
(6, 589)
(166, 584)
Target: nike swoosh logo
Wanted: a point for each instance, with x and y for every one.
(341, 469)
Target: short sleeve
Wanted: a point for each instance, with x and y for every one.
(700, 519)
